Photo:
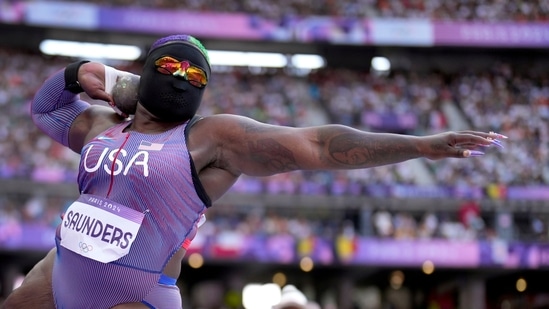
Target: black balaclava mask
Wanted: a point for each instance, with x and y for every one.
(167, 97)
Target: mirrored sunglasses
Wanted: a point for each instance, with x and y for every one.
(193, 74)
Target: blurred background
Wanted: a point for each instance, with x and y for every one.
(451, 234)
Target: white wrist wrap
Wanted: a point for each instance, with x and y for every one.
(111, 76)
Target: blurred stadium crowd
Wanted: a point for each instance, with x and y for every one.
(501, 100)
(513, 104)
(486, 10)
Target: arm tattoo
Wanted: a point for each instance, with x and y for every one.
(270, 153)
(359, 151)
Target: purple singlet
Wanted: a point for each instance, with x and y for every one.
(131, 181)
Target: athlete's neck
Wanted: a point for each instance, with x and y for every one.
(145, 122)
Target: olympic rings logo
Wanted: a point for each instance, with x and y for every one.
(85, 247)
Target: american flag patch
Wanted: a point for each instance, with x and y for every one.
(146, 145)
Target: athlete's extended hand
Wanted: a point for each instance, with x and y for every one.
(461, 144)
(91, 77)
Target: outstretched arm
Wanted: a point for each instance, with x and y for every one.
(249, 147)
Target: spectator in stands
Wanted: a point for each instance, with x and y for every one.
(159, 171)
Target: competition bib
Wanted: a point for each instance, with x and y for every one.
(99, 228)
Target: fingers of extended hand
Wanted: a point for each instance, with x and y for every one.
(479, 139)
(490, 134)
(473, 140)
(483, 143)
